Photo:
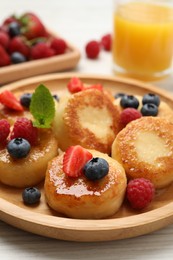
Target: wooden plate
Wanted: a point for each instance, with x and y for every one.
(126, 223)
(56, 63)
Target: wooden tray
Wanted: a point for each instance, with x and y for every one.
(56, 63)
(126, 223)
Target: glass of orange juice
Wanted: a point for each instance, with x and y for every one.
(143, 38)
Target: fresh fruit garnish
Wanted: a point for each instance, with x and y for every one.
(4, 130)
(23, 127)
(17, 57)
(151, 98)
(4, 39)
(94, 86)
(32, 27)
(129, 114)
(5, 58)
(106, 42)
(8, 99)
(18, 148)
(14, 29)
(42, 107)
(58, 45)
(75, 85)
(31, 195)
(25, 99)
(140, 193)
(74, 160)
(129, 101)
(96, 168)
(41, 50)
(19, 44)
(92, 49)
(149, 110)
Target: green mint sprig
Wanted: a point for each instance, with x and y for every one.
(42, 107)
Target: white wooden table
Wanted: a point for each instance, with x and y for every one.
(79, 21)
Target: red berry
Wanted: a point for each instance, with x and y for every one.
(140, 192)
(92, 49)
(75, 85)
(24, 128)
(74, 160)
(18, 44)
(41, 50)
(8, 99)
(58, 45)
(106, 42)
(128, 115)
(4, 39)
(9, 20)
(4, 130)
(94, 86)
(4, 57)
(32, 26)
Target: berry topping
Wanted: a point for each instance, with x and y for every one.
(14, 29)
(74, 160)
(18, 148)
(8, 99)
(75, 85)
(140, 193)
(151, 98)
(129, 101)
(25, 99)
(92, 49)
(4, 130)
(106, 42)
(128, 115)
(41, 51)
(24, 128)
(31, 195)
(17, 57)
(5, 58)
(58, 45)
(56, 97)
(149, 110)
(96, 168)
(119, 95)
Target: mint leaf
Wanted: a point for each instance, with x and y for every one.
(42, 107)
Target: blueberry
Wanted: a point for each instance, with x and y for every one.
(31, 195)
(151, 98)
(14, 29)
(25, 99)
(96, 168)
(129, 101)
(17, 57)
(119, 95)
(18, 148)
(56, 97)
(149, 110)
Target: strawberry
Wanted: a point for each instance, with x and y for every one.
(9, 20)
(4, 57)
(4, 39)
(19, 44)
(41, 50)
(75, 85)
(8, 99)
(58, 45)
(32, 27)
(74, 160)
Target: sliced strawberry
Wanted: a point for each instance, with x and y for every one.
(75, 85)
(8, 99)
(74, 160)
(95, 86)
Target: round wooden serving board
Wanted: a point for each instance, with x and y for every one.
(40, 219)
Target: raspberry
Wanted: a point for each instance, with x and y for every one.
(4, 39)
(92, 49)
(41, 50)
(18, 44)
(140, 193)
(106, 42)
(4, 130)
(5, 58)
(58, 45)
(24, 128)
(128, 115)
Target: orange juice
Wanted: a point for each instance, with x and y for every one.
(143, 38)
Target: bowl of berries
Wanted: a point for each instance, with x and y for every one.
(28, 48)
